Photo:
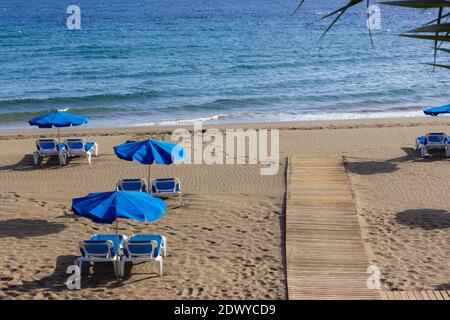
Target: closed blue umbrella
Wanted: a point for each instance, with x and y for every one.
(150, 151)
(437, 110)
(107, 207)
(58, 119)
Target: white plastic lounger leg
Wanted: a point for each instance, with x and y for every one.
(37, 159)
(79, 263)
(116, 269)
(62, 157)
(160, 266)
(423, 152)
(181, 200)
(121, 268)
(89, 157)
(96, 150)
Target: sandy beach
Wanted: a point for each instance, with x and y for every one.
(227, 241)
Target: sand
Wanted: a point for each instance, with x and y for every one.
(227, 241)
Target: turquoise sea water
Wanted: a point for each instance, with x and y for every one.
(137, 62)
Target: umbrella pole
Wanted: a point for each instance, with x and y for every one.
(117, 248)
(149, 181)
(59, 136)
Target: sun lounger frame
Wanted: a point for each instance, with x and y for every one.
(423, 145)
(42, 153)
(161, 193)
(100, 257)
(143, 257)
(81, 152)
(120, 183)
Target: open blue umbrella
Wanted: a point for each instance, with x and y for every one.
(150, 151)
(435, 111)
(58, 119)
(107, 207)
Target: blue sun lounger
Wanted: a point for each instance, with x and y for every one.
(81, 148)
(432, 141)
(48, 148)
(101, 248)
(138, 185)
(144, 248)
(167, 187)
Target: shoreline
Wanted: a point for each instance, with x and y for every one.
(285, 125)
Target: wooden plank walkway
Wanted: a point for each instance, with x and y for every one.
(416, 295)
(325, 254)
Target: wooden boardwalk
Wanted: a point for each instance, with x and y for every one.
(325, 254)
(416, 295)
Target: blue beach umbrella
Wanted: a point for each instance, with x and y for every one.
(58, 119)
(108, 207)
(150, 151)
(435, 111)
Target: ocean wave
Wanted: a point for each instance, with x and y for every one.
(27, 115)
(76, 100)
(180, 121)
(273, 116)
(221, 104)
(265, 66)
(391, 109)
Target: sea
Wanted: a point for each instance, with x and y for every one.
(164, 62)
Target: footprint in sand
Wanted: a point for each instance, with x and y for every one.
(191, 292)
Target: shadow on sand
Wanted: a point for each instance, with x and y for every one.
(374, 167)
(25, 228)
(370, 167)
(26, 164)
(95, 276)
(444, 286)
(101, 275)
(427, 219)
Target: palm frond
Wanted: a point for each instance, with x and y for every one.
(439, 65)
(435, 20)
(421, 4)
(437, 26)
(425, 37)
(440, 27)
(298, 7)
